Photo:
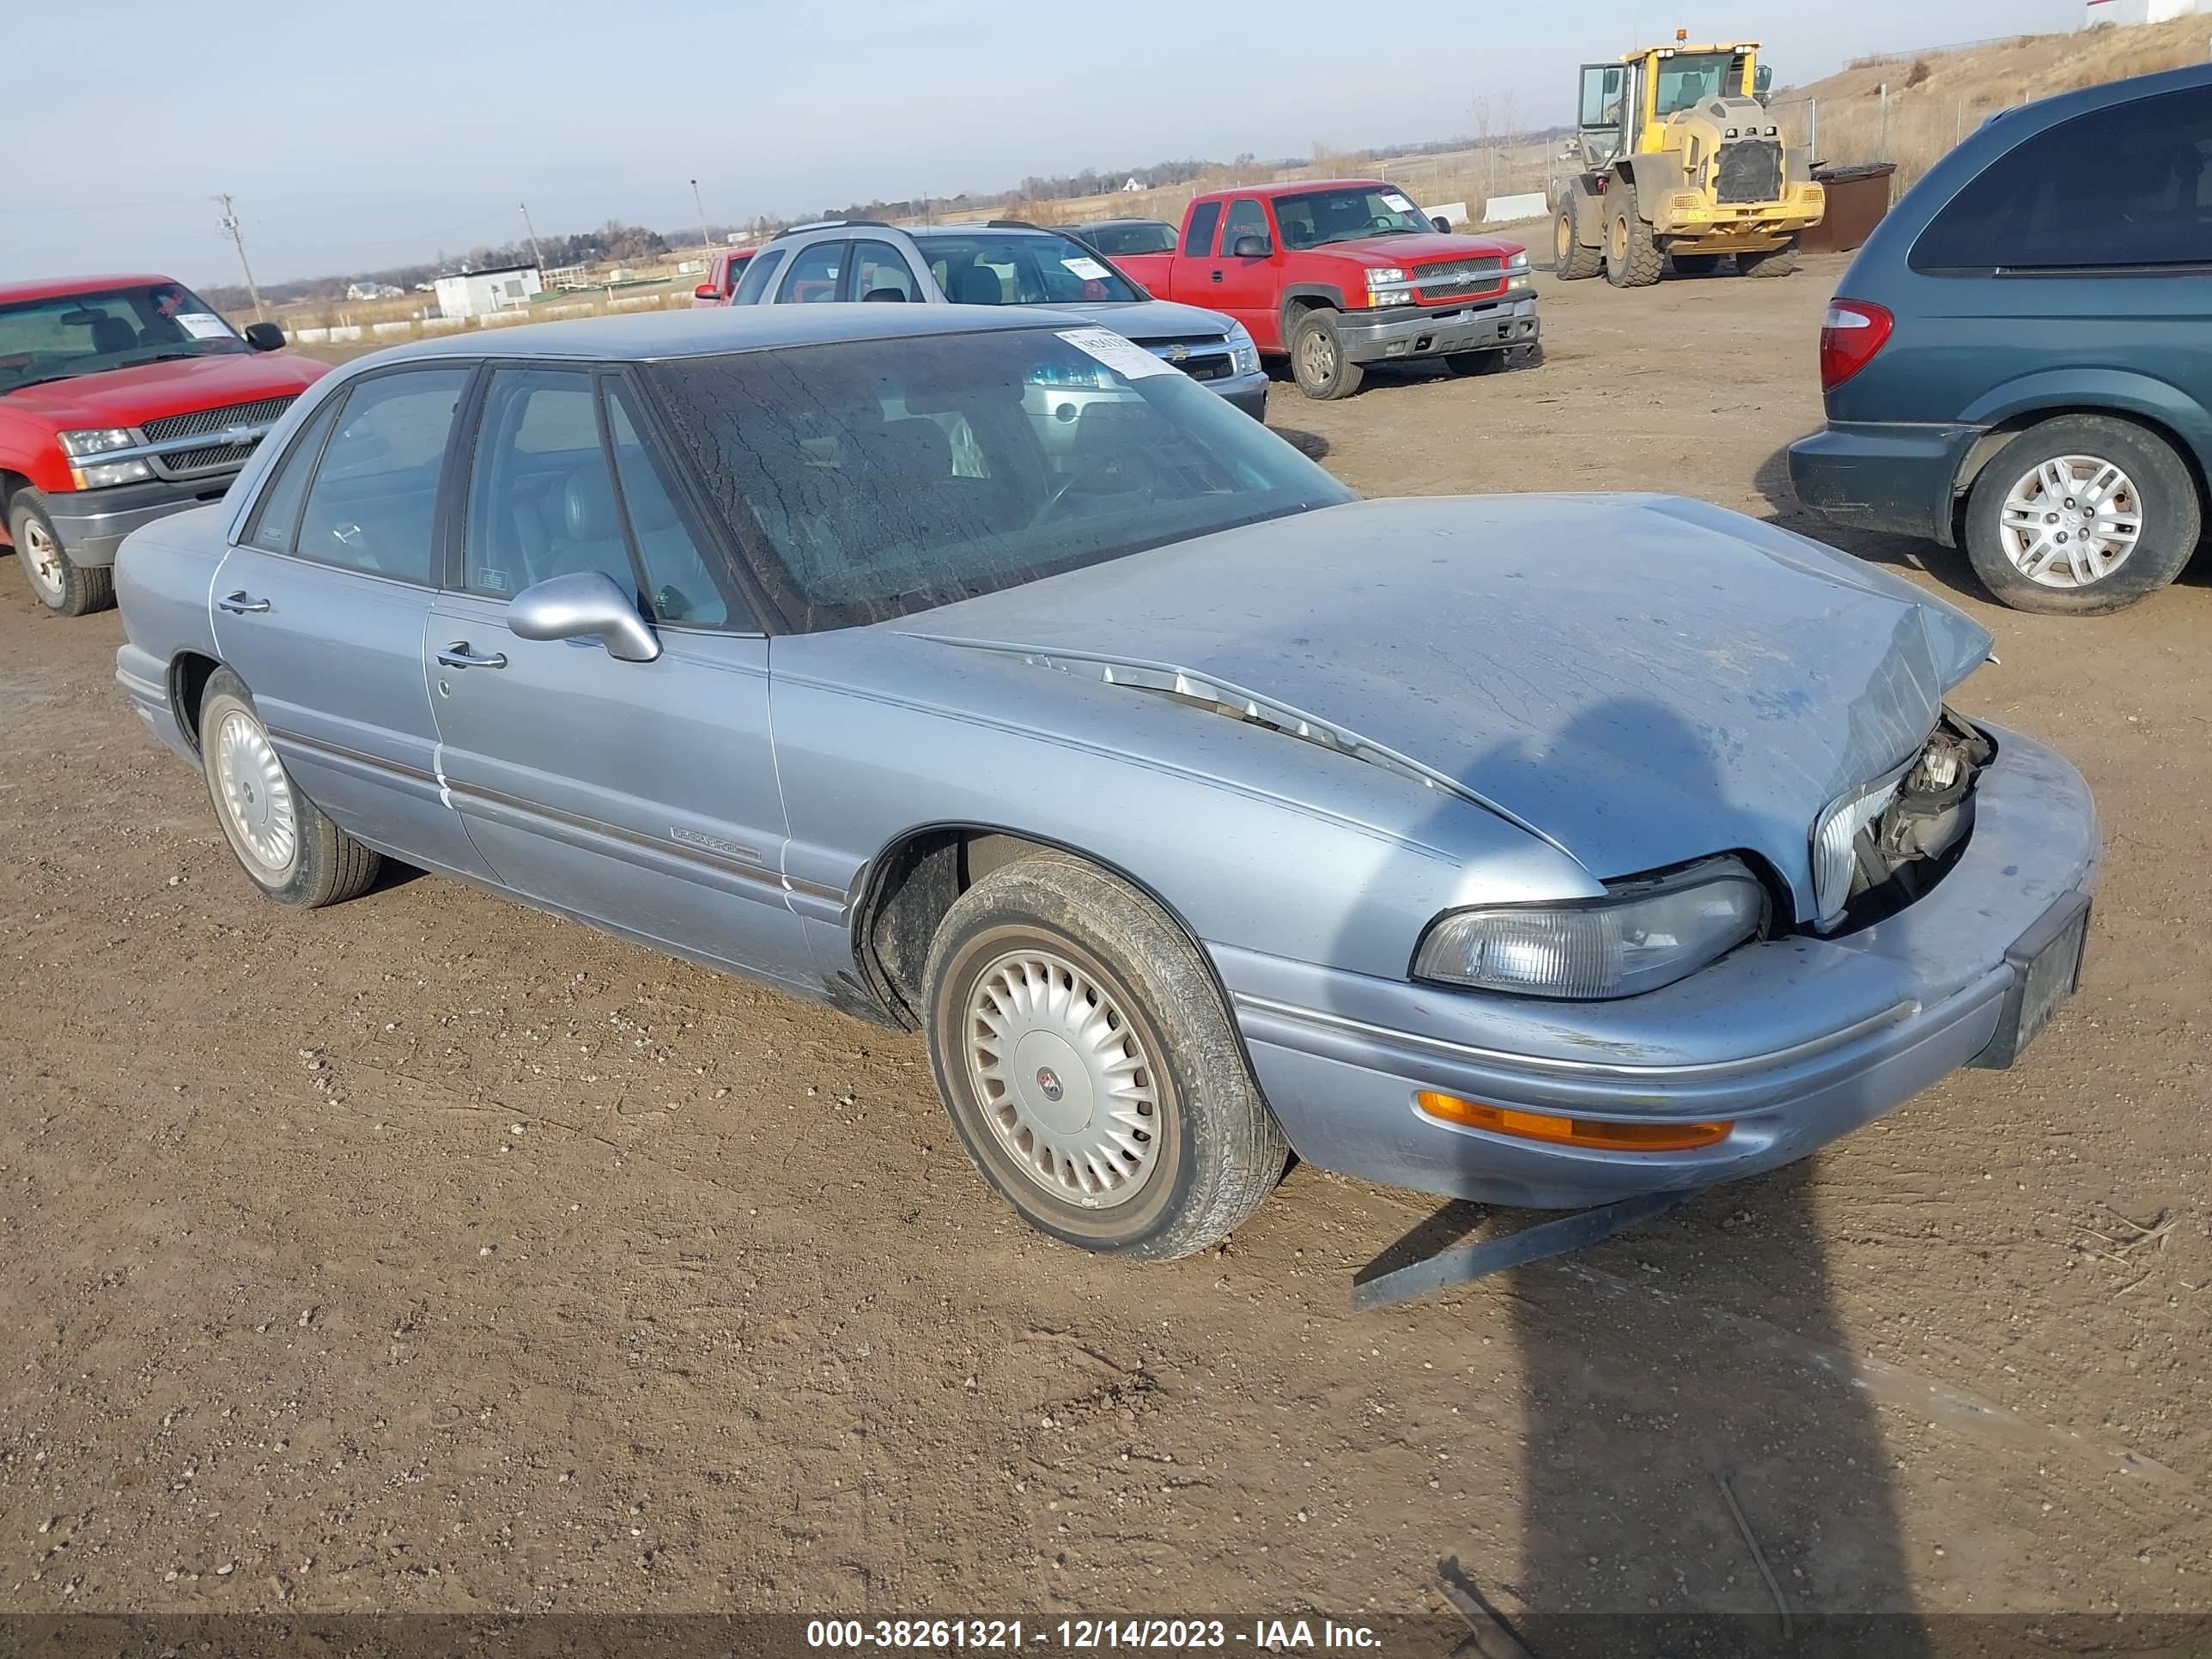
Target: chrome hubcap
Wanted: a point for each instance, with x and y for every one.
(2071, 521)
(1062, 1078)
(42, 558)
(256, 796)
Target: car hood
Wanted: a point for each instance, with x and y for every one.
(1641, 680)
(1146, 320)
(130, 397)
(1419, 249)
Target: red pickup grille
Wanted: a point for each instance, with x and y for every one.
(214, 420)
(1457, 279)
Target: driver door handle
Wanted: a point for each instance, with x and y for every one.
(457, 655)
(242, 603)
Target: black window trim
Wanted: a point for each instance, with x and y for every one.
(439, 510)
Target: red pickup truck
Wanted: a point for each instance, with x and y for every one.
(1340, 274)
(122, 400)
(722, 274)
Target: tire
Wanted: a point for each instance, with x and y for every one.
(1570, 261)
(2154, 484)
(1317, 360)
(1499, 360)
(321, 864)
(1632, 258)
(59, 582)
(1779, 261)
(1696, 264)
(1051, 925)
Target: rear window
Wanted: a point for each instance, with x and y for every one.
(2128, 187)
(1115, 239)
(1019, 269)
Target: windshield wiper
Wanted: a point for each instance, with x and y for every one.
(42, 380)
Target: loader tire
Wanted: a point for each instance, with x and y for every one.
(1779, 261)
(1570, 261)
(1632, 258)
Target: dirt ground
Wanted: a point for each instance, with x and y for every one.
(428, 1253)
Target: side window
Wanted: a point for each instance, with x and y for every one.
(880, 272)
(1246, 218)
(814, 271)
(732, 271)
(277, 515)
(373, 504)
(760, 272)
(1600, 95)
(541, 502)
(676, 574)
(2125, 187)
(1198, 236)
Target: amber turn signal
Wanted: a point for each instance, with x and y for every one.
(1597, 1135)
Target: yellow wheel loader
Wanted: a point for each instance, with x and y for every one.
(1680, 157)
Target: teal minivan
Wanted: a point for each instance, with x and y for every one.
(2019, 359)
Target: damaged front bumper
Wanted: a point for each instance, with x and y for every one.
(1405, 334)
(1790, 1043)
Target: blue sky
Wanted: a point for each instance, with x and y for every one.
(359, 135)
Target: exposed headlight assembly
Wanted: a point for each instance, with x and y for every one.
(1646, 931)
(1835, 842)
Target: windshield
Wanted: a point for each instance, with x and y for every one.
(984, 270)
(73, 334)
(1142, 236)
(882, 478)
(1339, 215)
(1695, 77)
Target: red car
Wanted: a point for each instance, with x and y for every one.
(123, 400)
(722, 276)
(1339, 274)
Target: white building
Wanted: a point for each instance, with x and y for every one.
(477, 293)
(2095, 12)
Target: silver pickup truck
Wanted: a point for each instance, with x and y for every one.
(1003, 262)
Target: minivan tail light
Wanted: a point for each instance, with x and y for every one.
(1850, 334)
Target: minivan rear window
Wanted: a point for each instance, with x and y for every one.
(2125, 188)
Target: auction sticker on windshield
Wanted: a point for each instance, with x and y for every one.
(1124, 357)
(1396, 203)
(202, 326)
(1089, 270)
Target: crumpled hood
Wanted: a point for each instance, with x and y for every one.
(1144, 320)
(1642, 679)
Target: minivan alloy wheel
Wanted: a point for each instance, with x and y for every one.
(2070, 521)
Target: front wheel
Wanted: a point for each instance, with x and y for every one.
(1570, 261)
(59, 581)
(294, 853)
(1318, 359)
(1089, 1064)
(2082, 514)
(1775, 262)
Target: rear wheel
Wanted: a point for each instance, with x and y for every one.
(1570, 261)
(59, 581)
(294, 853)
(1318, 359)
(1632, 258)
(2082, 514)
(1696, 264)
(1779, 262)
(1089, 1064)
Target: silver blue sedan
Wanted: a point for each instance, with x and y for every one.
(976, 673)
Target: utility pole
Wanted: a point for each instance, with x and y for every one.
(705, 241)
(230, 224)
(537, 259)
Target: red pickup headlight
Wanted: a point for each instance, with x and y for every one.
(1850, 334)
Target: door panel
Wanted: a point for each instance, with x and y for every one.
(639, 795)
(1246, 288)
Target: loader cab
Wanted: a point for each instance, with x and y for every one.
(1625, 105)
(1609, 101)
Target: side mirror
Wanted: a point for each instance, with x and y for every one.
(264, 337)
(581, 606)
(1250, 248)
(1440, 222)
(706, 291)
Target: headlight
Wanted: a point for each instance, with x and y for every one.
(1835, 835)
(101, 474)
(1388, 286)
(93, 442)
(1647, 932)
(1244, 354)
(1518, 262)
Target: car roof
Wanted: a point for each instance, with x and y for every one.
(48, 288)
(1115, 224)
(654, 336)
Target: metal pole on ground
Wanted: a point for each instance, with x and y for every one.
(230, 224)
(705, 241)
(536, 258)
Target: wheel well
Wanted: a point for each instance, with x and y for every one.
(189, 673)
(1984, 449)
(914, 881)
(9, 484)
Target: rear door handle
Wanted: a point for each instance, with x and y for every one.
(242, 603)
(457, 655)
